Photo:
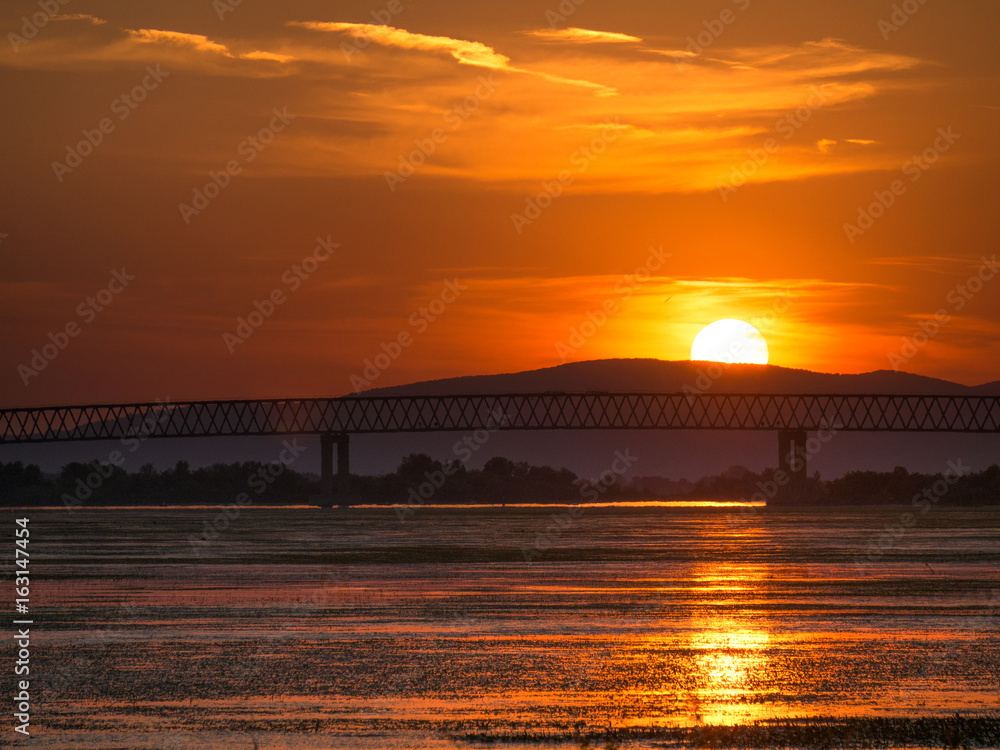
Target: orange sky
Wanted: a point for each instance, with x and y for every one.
(532, 159)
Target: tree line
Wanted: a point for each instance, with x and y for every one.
(421, 476)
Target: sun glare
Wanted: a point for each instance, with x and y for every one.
(730, 341)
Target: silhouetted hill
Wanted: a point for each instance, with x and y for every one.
(660, 376)
(988, 389)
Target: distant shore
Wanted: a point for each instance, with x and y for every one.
(421, 480)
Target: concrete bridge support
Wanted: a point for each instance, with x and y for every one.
(792, 467)
(334, 489)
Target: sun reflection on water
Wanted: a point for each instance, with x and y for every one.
(728, 658)
(731, 658)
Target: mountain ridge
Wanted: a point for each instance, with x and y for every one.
(673, 376)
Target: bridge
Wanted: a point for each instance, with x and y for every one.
(792, 416)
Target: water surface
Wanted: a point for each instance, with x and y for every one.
(301, 628)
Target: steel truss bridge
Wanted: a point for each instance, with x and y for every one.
(793, 416)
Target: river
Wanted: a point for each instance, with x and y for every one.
(531, 626)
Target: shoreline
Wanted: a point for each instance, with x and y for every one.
(956, 731)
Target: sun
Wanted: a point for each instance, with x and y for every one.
(730, 341)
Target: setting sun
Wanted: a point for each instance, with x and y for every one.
(730, 341)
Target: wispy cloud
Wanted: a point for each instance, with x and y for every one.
(200, 43)
(80, 17)
(584, 36)
(680, 129)
(465, 52)
(673, 52)
(273, 56)
(826, 144)
(94, 45)
(685, 136)
(468, 53)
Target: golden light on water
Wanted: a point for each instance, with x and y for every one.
(727, 659)
(730, 653)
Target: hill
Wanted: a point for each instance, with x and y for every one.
(661, 376)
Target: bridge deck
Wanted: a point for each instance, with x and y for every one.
(526, 411)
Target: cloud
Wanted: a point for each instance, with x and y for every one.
(673, 52)
(79, 47)
(195, 41)
(258, 55)
(465, 52)
(826, 57)
(584, 36)
(79, 17)
(826, 144)
(201, 43)
(680, 128)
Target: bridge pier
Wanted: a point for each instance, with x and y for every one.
(333, 488)
(792, 467)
